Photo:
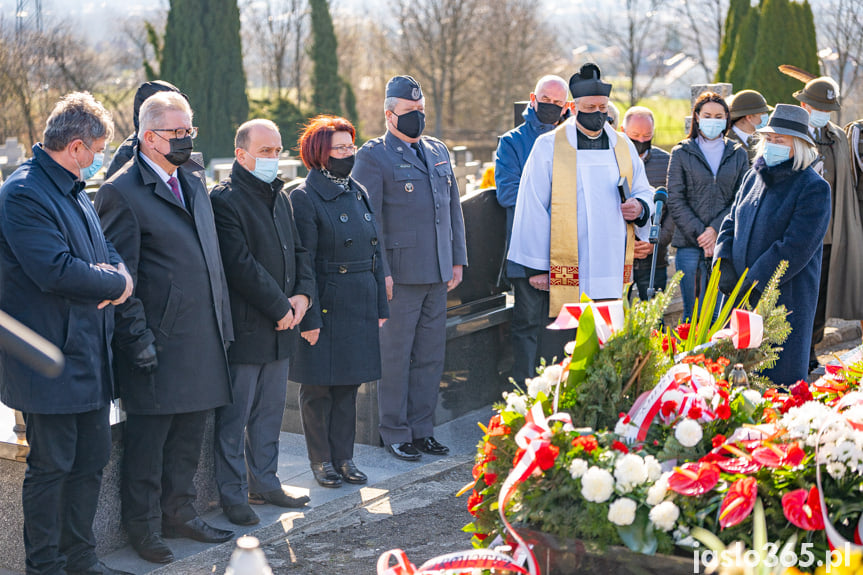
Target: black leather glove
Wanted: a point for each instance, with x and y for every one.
(146, 361)
(727, 279)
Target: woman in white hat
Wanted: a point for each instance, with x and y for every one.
(781, 212)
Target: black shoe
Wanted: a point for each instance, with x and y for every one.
(326, 475)
(279, 498)
(430, 445)
(813, 365)
(98, 568)
(241, 514)
(349, 472)
(152, 548)
(197, 529)
(404, 451)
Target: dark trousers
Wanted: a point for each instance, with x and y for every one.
(530, 340)
(246, 448)
(159, 464)
(820, 321)
(641, 276)
(413, 341)
(329, 416)
(61, 489)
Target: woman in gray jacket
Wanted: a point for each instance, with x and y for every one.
(704, 173)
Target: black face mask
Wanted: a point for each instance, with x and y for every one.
(548, 113)
(181, 150)
(411, 124)
(642, 147)
(340, 167)
(593, 121)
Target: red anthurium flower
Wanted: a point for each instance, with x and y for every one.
(718, 440)
(785, 455)
(803, 509)
(588, 442)
(473, 501)
(694, 479)
(738, 502)
(546, 455)
(683, 331)
(744, 465)
(618, 446)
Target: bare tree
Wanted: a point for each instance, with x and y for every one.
(840, 27)
(641, 37)
(435, 39)
(702, 30)
(277, 31)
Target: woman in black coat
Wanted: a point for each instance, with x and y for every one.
(704, 173)
(781, 213)
(340, 346)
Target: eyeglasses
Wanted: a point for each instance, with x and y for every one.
(344, 149)
(179, 132)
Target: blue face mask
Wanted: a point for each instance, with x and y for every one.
(775, 153)
(711, 128)
(818, 119)
(266, 169)
(763, 122)
(90, 171)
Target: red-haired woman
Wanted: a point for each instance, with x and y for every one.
(340, 348)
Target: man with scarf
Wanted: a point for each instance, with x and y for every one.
(530, 341)
(415, 197)
(575, 225)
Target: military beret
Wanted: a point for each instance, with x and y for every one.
(586, 82)
(404, 87)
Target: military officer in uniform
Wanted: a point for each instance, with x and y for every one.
(410, 182)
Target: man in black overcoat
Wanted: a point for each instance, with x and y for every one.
(170, 336)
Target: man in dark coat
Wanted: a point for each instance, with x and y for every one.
(59, 276)
(638, 125)
(170, 338)
(127, 149)
(749, 112)
(271, 283)
(415, 197)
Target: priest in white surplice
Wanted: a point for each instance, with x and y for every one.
(571, 227)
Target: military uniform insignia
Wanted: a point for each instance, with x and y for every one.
(409, 187)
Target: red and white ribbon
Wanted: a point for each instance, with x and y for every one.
(608, 316)
(746, 331)
(449, 564)
(533, 436)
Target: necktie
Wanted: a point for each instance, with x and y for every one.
(419, 150)
(175, 187)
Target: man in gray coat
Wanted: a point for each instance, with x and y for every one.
(170, 335)
(415, 196)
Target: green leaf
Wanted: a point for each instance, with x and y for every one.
(586, 348)
(639, 535)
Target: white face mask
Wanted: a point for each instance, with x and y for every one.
(818, 119)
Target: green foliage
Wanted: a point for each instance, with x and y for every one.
(202, 56)
(326, 83)
(631, 362)
(156, 41)
(786, 35)
(744, 48)
(737, 11)
(350, 107)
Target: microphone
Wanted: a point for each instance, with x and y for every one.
(659, 199)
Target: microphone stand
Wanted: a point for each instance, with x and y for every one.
(650, 290)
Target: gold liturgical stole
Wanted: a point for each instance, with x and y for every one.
(563, 272)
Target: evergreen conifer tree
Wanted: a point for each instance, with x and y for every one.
(737, 11)
(202, 56)
(744, 49)
(326, 83)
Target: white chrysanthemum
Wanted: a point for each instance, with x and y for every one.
(674, 395)
(552, 373)
(688, 432)
(803, 420)
(836, 470)
(752, 396)
(665, 515)
(657, 492)
(621, 428)
(515, 402)
(569, 348)
(597, 485)
(577, 468)
(630, 471)
(608, 457)
(538, 385)
(622, 511)
(654, 468)
(706, 392)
